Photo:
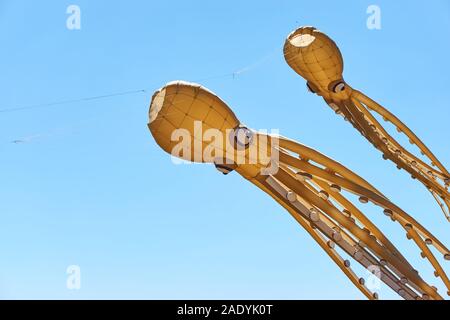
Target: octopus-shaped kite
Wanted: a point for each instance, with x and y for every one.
(315, 57)
(192, 123)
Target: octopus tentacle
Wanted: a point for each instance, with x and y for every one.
(373, 105)
(329, 185)
(375, 197)
(322, 175)
(321, 228)
(269, 186)
(369, 254)
(391, 141)
(308, 153)
(355, 230)
(404, 159)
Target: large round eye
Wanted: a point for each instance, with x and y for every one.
(243, 136)
(339, 87)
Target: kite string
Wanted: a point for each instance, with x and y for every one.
(98, 97)
(130, 92)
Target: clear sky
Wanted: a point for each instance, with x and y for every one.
(89, 187)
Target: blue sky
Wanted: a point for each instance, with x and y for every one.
(91, 188)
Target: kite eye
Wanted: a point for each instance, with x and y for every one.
(339, 87)
(243, 136)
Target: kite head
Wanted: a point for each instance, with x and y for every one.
(192, 123)
(315, 57)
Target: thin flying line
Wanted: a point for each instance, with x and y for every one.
(63, 102)
(35, 106)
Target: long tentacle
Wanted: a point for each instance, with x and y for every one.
(330, 190)
(321, 228)
(356, 231)
(276, 191)
(309, 153)
(380, 142)
(404, 159)
(391, 144)
(333, 174)
(402, 127)
(377, 199)
(336, 182)
(357, 218)
(406, 221)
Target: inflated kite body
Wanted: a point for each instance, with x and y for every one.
(315, 57)
(192, 123)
